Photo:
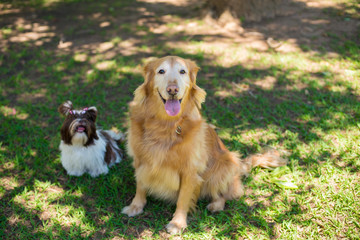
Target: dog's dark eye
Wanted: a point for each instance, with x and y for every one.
(182, 71)
(161, 71)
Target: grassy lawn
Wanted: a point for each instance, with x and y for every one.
(301, 98)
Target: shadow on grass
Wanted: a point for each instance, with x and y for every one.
(39, 71)
(140, 23)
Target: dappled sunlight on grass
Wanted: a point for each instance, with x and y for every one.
(8, 111)
(43, 202)
(300, 96)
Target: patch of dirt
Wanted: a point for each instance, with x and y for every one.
(311, 23)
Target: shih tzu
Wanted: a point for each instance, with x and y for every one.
(83, 148)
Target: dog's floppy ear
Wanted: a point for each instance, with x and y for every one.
(144, 89)
(196, 92)
(65, 108)
(199, 95)
(92, 134)
(92, 111)
(149, 67)
(140, 94)
(193, 70)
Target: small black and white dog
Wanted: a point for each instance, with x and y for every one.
(83, 148)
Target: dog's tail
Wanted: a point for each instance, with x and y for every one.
(269, 158)
(119, 137)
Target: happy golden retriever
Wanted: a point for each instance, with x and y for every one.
(177, 155)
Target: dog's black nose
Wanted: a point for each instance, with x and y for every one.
(172, 89)
(82, 122)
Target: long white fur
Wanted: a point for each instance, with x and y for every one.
(78, 159)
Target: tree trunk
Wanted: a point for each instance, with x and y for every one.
(247, 10)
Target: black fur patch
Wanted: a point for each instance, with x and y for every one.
(110, 155)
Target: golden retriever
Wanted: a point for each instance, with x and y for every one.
(177, 156)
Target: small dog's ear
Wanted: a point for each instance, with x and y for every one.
(93, 112)
(65, 108)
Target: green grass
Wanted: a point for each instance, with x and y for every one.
(304, 103)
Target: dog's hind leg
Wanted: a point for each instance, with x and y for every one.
(269, 158)
(235, 191)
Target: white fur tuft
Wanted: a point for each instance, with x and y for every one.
(93, 108)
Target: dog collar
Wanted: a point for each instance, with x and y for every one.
(178, 130)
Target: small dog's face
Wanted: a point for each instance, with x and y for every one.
(79, 126)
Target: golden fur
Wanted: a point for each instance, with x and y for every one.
(180, 158)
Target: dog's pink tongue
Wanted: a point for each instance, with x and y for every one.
(172, 107)
(80, 129)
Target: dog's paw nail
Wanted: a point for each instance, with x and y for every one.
(132, 211)
(174, 228)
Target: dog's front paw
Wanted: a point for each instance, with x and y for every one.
(95, 173)
(132, 210)
(75, 173)
(175, 227)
